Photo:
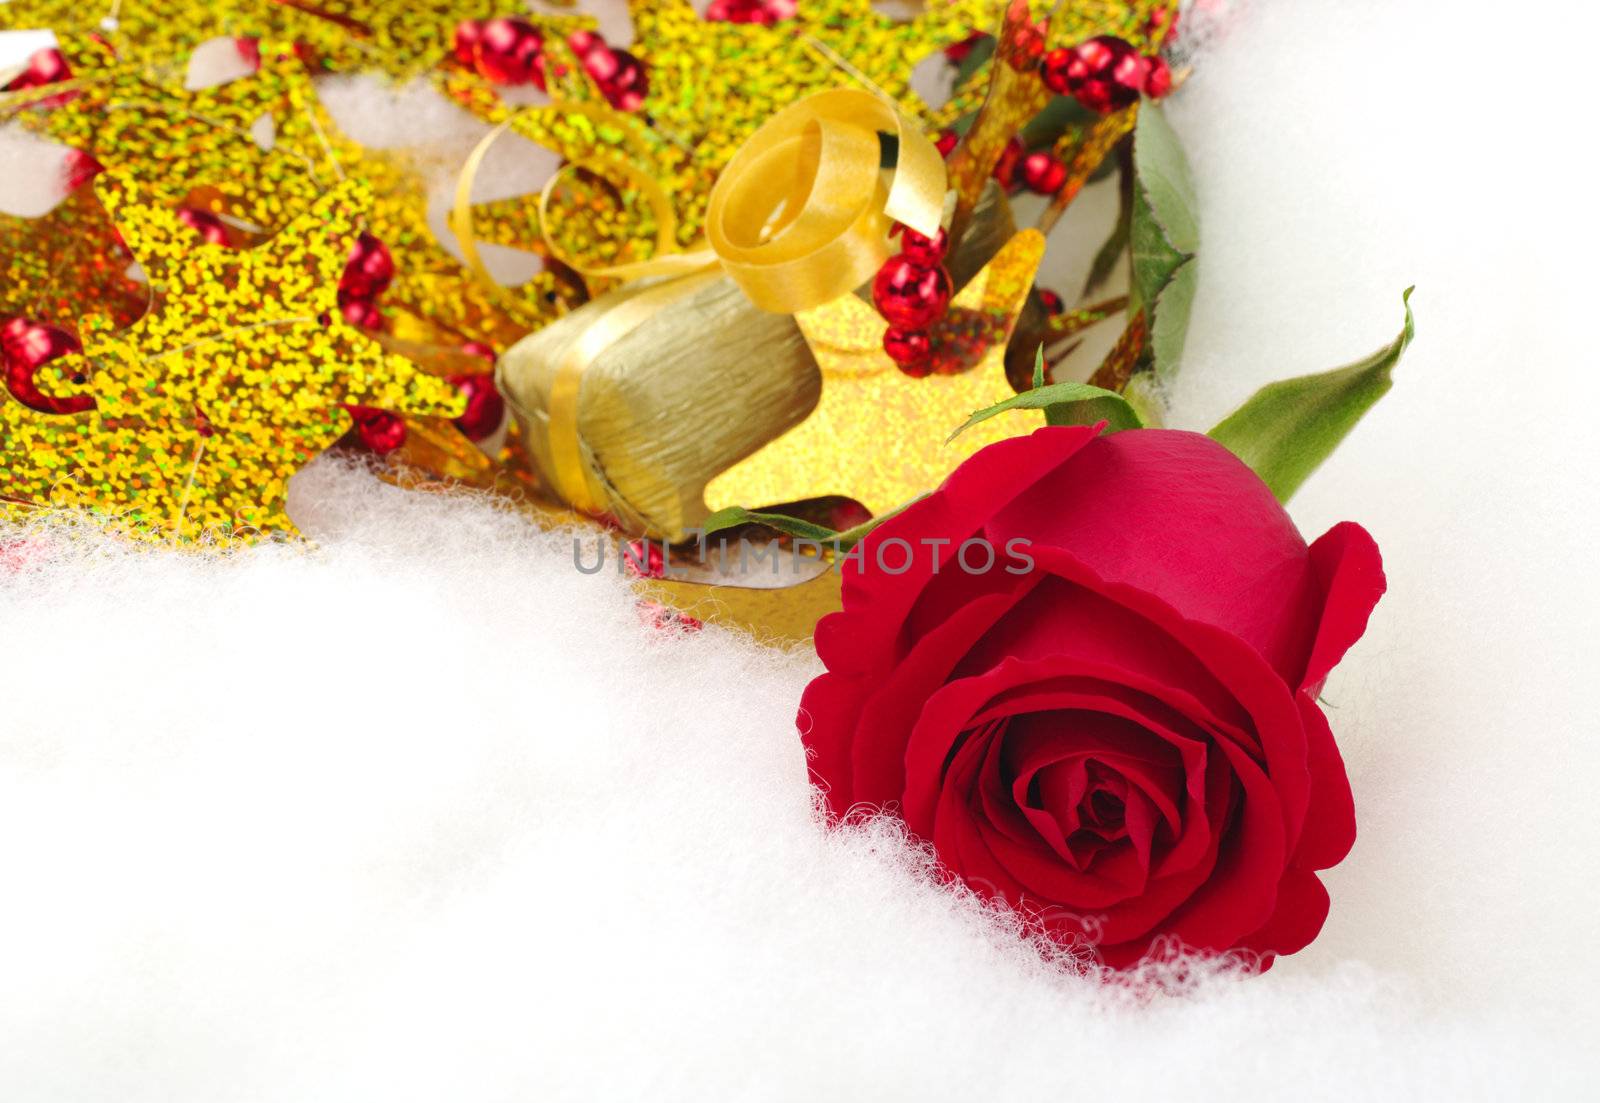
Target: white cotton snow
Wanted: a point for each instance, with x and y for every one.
(422, 812)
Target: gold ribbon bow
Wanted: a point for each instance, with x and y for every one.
(799, 216)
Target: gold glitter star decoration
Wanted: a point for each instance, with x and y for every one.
(236, 377)
(155, 38)
(65, 263)
(876, 435)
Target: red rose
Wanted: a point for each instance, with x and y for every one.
(1113, 726)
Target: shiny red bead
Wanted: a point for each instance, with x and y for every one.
(1005, 169)
(485, 408)
(505, 51)
(627, 87)
(379, 430)
(946, 142)
(910, 296)
(369, 270)
(469, 32)
(909, 349)
(1159, 82)
(27, 346)
(1051, 302)
(927, 252)
(45, 66)
(620, 76)
(1053, 70)
(1105, 73)
(210, 228)
(763, 13)
(361, 313)
(1043, 172)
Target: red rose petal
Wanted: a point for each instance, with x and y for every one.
(863, 636)
(1350, 571)
(1241, 893)
(1234, 663)
(1330, 827)
(1302, 909)
(877, 763)
(1177, 516)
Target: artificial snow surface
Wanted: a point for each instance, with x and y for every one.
(424, 813)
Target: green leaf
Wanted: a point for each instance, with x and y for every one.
(734, 516)
(1286, 429)
(1063, 404)
(1164, 236)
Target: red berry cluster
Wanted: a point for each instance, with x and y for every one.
(763, 12)
(1105, 74)
(912, 291)
(503, 51)
(485, 408)
(25, 347)
(367, 276)
(379, 430)
(511, 52)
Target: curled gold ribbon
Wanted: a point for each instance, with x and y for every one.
(799, 216)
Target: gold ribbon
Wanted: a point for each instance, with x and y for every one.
(799, 216)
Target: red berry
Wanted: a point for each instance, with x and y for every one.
(45, 66)
(210, 228)
(485, 408)
(910, 296)
(27, 346)
(1105, 73)
(249, 50)
(627, 86)
(619, 75)
(361, 313)
(947, 141)
(909, 349)
(379, 430)
(1051, 302)
(1159, 82)
(369, 271)
(1005, 169)
(1042, 172)
(1053, 70)
(508, 51)
(469, 32)
(927, 252)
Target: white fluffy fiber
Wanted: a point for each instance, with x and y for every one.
(422, 813)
